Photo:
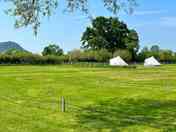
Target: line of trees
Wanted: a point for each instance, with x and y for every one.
(163, 55)
(53, 54)
(28, 58)
(105, 38)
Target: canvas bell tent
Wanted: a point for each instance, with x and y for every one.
(151, 62)
(118, 61)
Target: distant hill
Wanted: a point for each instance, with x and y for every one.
(5, 46)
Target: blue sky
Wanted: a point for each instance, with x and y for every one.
(154, 20)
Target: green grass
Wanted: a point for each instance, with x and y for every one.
(98, 99)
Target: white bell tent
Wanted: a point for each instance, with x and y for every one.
(151, 62)
(118, 61)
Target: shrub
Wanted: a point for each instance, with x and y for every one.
(29, 59)
(52, 49)
(166, 56)
(124, 54)
(74, 55)
(102, 55)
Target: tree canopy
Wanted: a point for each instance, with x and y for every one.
(111, 34)
(155, 48)
(162, 55)
(52, 49)
(30, 12)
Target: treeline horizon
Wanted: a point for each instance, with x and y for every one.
(105, 38)
(52, 54)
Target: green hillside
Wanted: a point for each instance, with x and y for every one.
(5, 46)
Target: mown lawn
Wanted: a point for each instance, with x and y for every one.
(99, 99)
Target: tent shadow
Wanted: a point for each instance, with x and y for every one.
(115, 114)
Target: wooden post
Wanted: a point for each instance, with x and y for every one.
(62, 104)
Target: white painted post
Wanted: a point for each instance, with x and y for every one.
(62, 104)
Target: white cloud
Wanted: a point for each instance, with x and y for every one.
(149, 12)
(168, 21)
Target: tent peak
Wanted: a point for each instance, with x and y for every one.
(117, 61)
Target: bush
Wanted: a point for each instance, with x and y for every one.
(143, 55)
(166, 56)
(52, 49)
(29, 59)
(89, 55)
(74, 55)
(124, 54)
(102, 55)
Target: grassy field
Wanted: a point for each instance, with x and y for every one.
(97, 99)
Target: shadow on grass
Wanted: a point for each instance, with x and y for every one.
(115, 115)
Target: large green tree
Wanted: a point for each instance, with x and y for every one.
(111, 34)
(155, 48)
(132, 42)
(30, 12)
(52, 49)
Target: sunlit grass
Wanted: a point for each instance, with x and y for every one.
(98, 99)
